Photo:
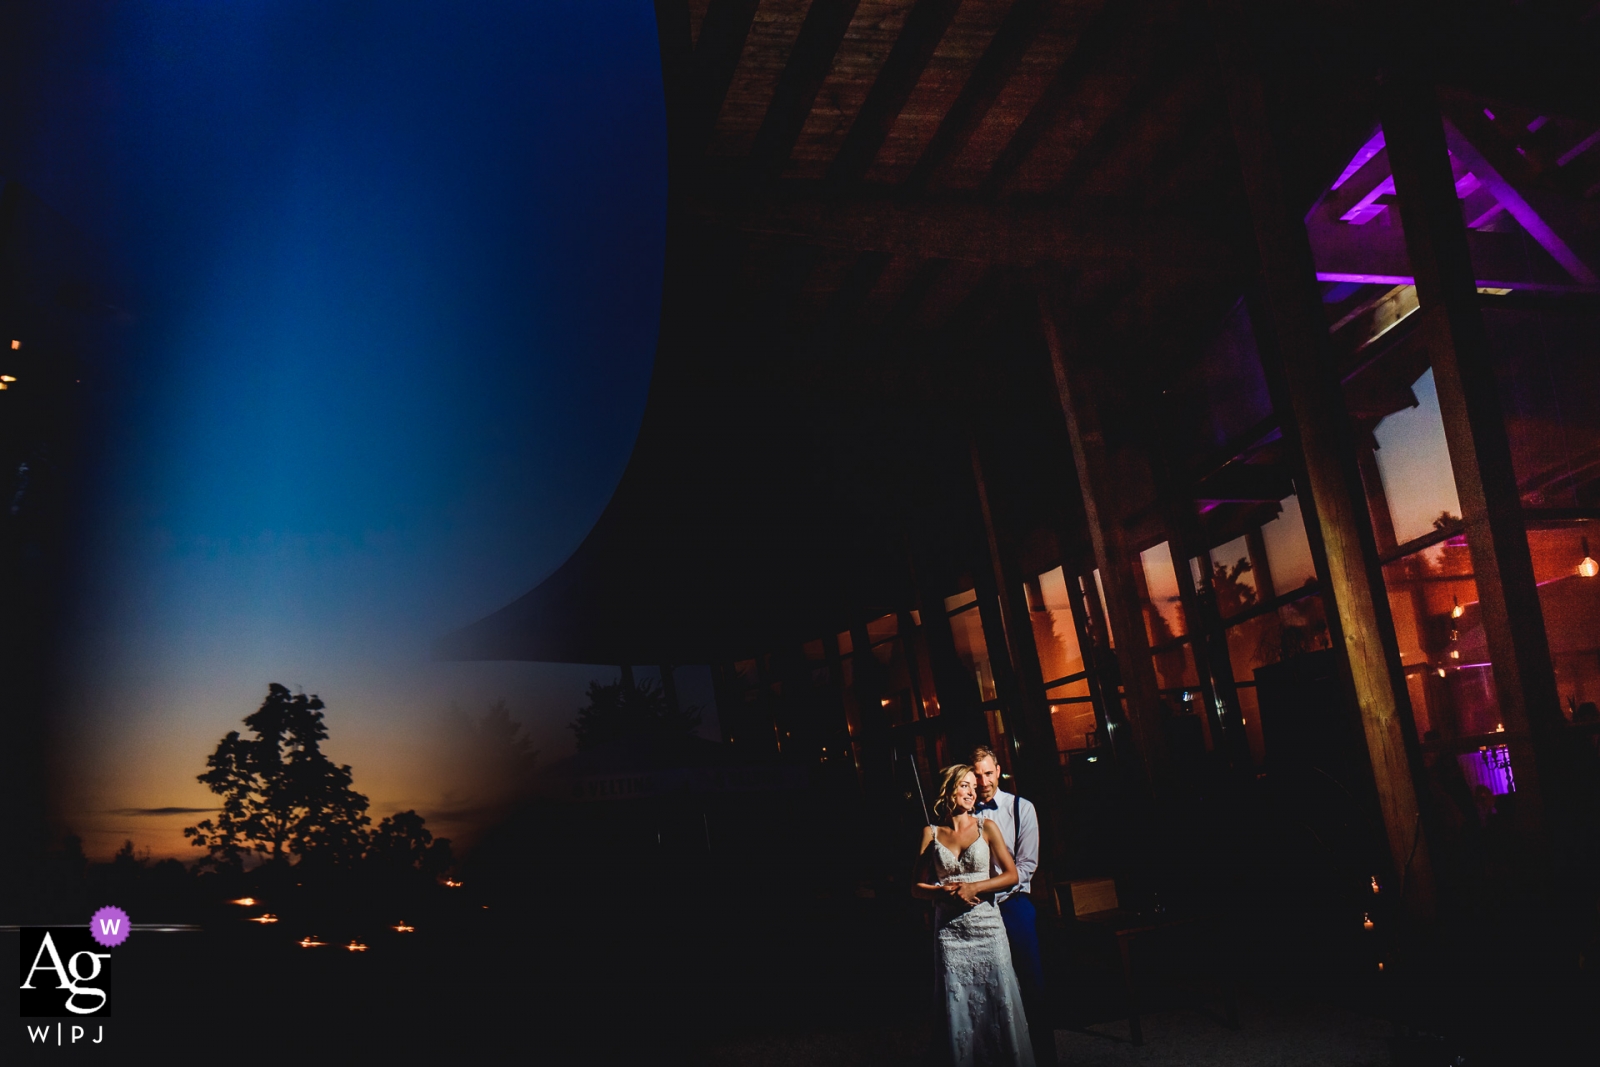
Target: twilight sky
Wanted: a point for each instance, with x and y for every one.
(393, 275)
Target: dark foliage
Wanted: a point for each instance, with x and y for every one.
(402, 844)
(620, 712)
(281, 795)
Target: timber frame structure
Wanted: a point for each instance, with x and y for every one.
(1010, 350)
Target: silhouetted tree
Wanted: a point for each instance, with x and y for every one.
(489, 763)
(620, 711)
(281, 795)
(403, 843)
(1231, 592)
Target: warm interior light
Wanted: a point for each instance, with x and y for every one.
(1457, 611)
(248, 902)
(15, 345)
(1588, 567)
(1455, 653)
(7, 378)
(1366, 921)
(884, 702)
(1441, 672)
(1374, 883)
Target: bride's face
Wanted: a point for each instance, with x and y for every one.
(966, 794)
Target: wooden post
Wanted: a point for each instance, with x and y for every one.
(1474, 425)
(1310, 404)
(1110, 543)
(959, 700)
(1039, 768)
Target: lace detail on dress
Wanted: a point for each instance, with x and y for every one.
(978, 988)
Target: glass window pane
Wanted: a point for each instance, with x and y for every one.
(883, 628)
(925, 686)
(1433, 597)
(960, 600)
(1053, 631)
(1288, 551)
(1074, 726)
(1545, 361)
(846, 643)
(1175, 667)
(1100, 588)
(1414, 462)
(1232, 582)
(1163, 607)
(1078, 690)
(898, 706)
(967, 629)
(1570, 601)
(1277, 635)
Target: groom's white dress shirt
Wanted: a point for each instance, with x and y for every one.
(1022, 840)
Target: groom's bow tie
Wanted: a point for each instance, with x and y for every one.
(987, 805)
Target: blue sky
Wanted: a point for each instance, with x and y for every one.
(394, 276)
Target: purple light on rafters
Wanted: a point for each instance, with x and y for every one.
(1489, 113)
(1366, 279)
(1578, 149)
(1519, 209)
(1361, 158)
(1483, 283)
(1533, 127)
(1367, 208)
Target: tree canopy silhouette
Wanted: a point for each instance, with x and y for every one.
(621, 711)
(281, 795)
(402, 844)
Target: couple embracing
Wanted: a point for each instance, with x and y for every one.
(976, 864)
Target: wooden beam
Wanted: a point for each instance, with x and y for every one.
(1171, 58)
(711, 70)
(809, 62)
(989, 76)
(1475, 431)
(1017, 234)
(923, 29)
(1114, 558)
(1088, 50)
(1307, 396)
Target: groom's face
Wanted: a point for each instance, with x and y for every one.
(988, 776)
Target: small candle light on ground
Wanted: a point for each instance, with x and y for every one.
(263, 919)
(356, 946)
(244, 902)
(1366, 921)
(401, 927)
(311, 942)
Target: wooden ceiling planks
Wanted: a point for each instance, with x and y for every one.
(867, 43)
(1040, 78)
(953, 61)
(767, 48)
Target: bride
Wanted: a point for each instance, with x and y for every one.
(982, 1005)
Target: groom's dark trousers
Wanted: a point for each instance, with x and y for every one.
(1023, 933)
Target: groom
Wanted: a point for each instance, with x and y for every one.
(1019, 826)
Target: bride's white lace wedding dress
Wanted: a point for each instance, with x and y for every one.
(985, 1025)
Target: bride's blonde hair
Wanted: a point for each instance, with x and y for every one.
(949, 779)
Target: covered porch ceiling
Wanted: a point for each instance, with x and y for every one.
(865, 198)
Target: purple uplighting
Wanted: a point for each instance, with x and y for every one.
(1361, 158)
(1489, 766)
